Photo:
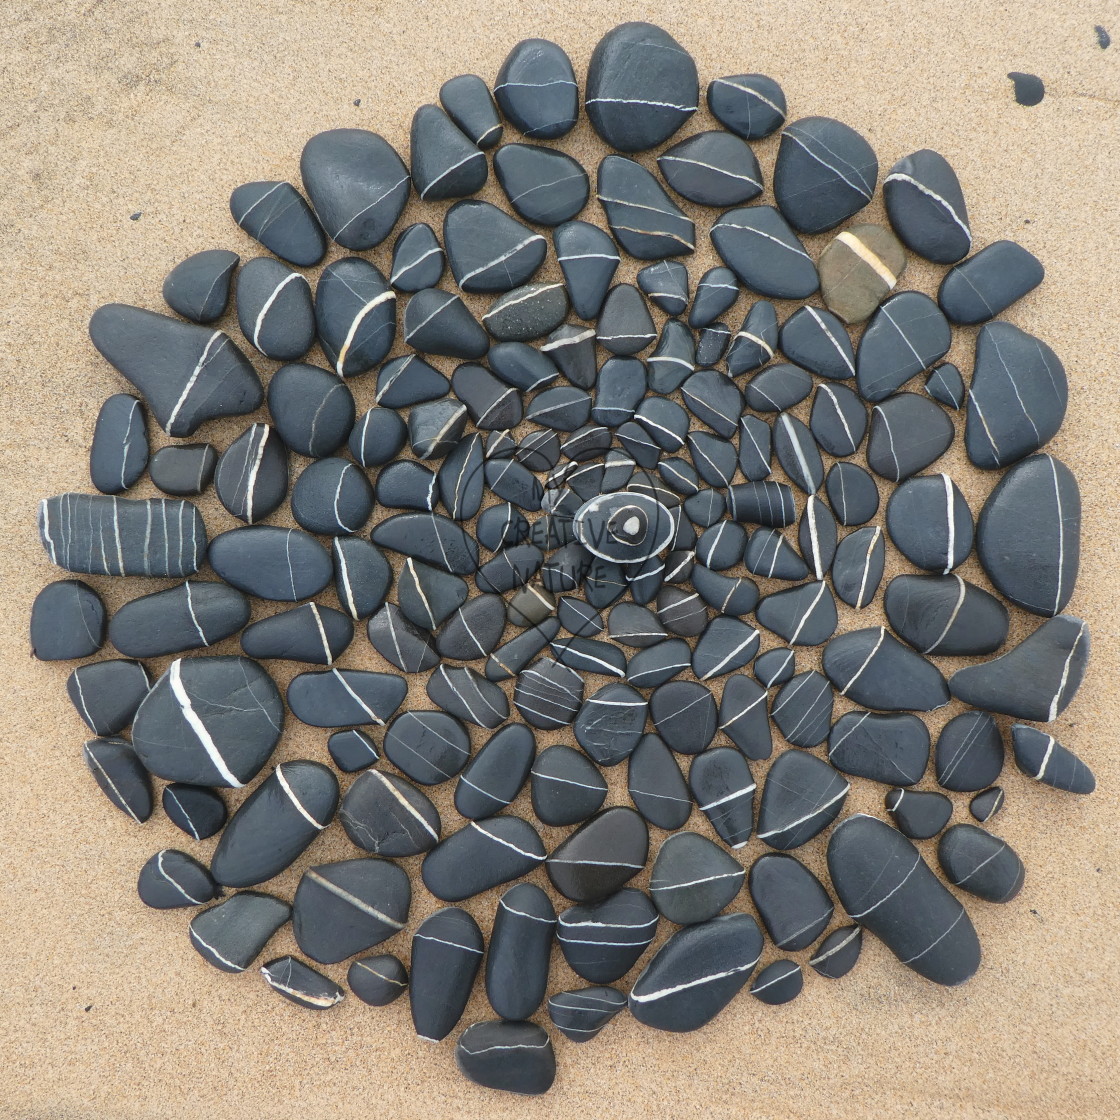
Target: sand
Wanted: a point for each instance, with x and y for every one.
(161, 108)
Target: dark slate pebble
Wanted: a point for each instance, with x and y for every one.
(198, 287)
(712, 342)
(906, 335)
(673, 358)
(757, 244)
(409, 380)
(885, 885)
(356, 314)
(794, 907)
(658, 663)
(276, 215)
(981, 287)
(930, 523)
(754, 344)
(520, 947)
(357, 183)
(837, 954)
(107, 694)
(797, 453)
(770, 555)
(435, 427)
(536, 90)
(251, 479)
(513, 1056)
(980, 863)
(714, 399)
(656, 785)
(800, 616)
(67, 621)
(857, 568)
(817, 339)
(777, 388)
(684, 713)
(445, 163)
(817, 536)
(986, 804)
(802, 709)
(750, 105)
(908, 432)
(601, 856)
(274, 825)
(428, 747)
(548, 694)
(713, 458)
(119, 452)
(721, 783)
(431, 538)
(274, 309)
(120, 776)
(1017, 398)
(231, 935)
(946, 386)
(418, 258)
(332, 497)
(779, 982)
(602, 941)
(588, 259)
(473, 630)
(377, 437)
(446, 955)
(500, 525)
(581, 1013)
(468, 102)
(480, 856)
(726, 645)
(198, 810)
(697, 973)
(873, 668)
(388, 816)
(969, 752)
(543, 185)
(488, 250)
(712, 169)
(171, 879)
(312, 409)
(361, 575)
(380, 979)
(890, 748)
(645, 221)
(610, 721)
(743, 717)
(497, 773)
(625, 325)
(665, 285)
(563, 408)
(352, 750)
(192, 615)
(693, 879)
(528, 312)
(405, 484)
(199, 374)
(926, 207)
(1042, 757)
(762, 503)
(945, 615)
(838, 420)
(345, 697)
(802, 796)
(825, 172)
(919, 814)
(774, 667)
(183, 469)
(1034, 680)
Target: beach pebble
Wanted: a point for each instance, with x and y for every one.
(817, 340)
(726, 645)
(497, 773)
(428, 747)
(430, 538)
(345, 697)
(684, 713)
(817, 536)
(986, 804)
(800, 616)
(517, 961)
(120, 776)
(852, 493)
(171, 879)
(658, 663)
(301, 984)
(802, 709)
(665, 285)
(198, 288)
(445, 163)
(930, 523)
(352, 750)
(183, 470)
(468, 102)
(446, 955)
(274, 309)
(356, 314)
(602, 941)
(601, 856)
(774, 667)
(418, 258)
(588, 259)
(389, 817)
(906, 335)
(528, 312)
(919, 814)
(251, 479)
(989, 282)
(488, 250)
(1042, 757)
(480, 856)
(945, 615)
(198, 810)
(119, 452)
(873, 668)
(837, 954)
(513, 1056)
(838, 420)
(712, 169)
(377, 980)
(750, 105)
(765, 503)
(969, 752)
(643, 218)
(191, 615)
(610, 721)
(536, 90)
(926, 207)
(793, 906)
(548, 694)
(377, 437)
(777, 388)
(231, 935)
(332, 497)
(757, 244)
(857, 567)
(859, 268)
(743, 717)
(276, 215)
(544, 186)
(891, 748)
(656, 785)
(908, 433)
(581, 1013)
(312, 409)
(67, 621)
(802, 796)
(721, 782)
(693, 879)
(754, 344)
(980, 863)
(406, 484)
(361, 575)
(566, 787)
(779, 982)
(768, 554)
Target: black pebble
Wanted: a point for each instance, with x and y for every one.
(120, 776)
(332, 497)
(377, 980)
(352, 750)
(231, 935)
(750, 105)
(980, 863)
(274, 309)
(276, 215)
(794, 907)
(283, 564)
(251, 478)
(1029, 89)
(183, 469)
(520, 947)
(172, 879)
(119, 452)
(388, 816)
(107, 694)
(536, 90)
(919, 814)
(602, 941)
(67, 621)
(198, 287)
(497, 773)
(198, 810)
(418, 258)
(312, 409)
(468, 102)
(192, 615)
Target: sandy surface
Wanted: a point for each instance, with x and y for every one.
(162, 108)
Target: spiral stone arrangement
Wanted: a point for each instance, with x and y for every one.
(601, 523)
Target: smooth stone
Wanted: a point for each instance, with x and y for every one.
(571, 348)
(497, 773)
(431, 538)
(377, 980)
(473, 630)
(95, 534)
(480, 856)
(274, 309)
(919, 814)
(986, 804)
(797, 453)
(1034, 680)
(428, 747)
(610, 722)
(802, 709)
(712, 342)
(543, 185)
(859, 268)
(697, 973)
(712, 169)
(198, 810)
(946, 386)
(802, 796)
(779, 982)
(581, 1013)
(361, 575)
(800, 616)
(857, 567)
(492, 404)
(601, 856)
(588, 259)
(750, 105)
(120, 775)
(1017, 397)
(657, 786)
(67, 621)
(187, 374)
(428, 596)
(817, 536)
(714, 399)
(885, 885)
(908, 433)
(693, 879)
(435, 427)
(625, 325)
(517, 962)
(446, 955)
(726, 645)
(980, 863)
(356, 314)
(528, 312)
(389, 817)
(989, 282)
(945, 615)
(352, 750)
(405, 484)
(231, 935)
(193, 615)
(644, 220)
(251, 479)
(825, 172)
(512, 1056)
(906, 335)
(418, 258)
(1042, 757)
(930, 523)
(345, 697)
(743, 716)
(531, 606)
(183, 470)
(838, 420)
(891, 748)
(622, 385)
(119, 452)
(276, 215)
(754, 458)
(926, 207)
(274, 825)
(500, 525)
(198, 288)
(658, 663)
(777, 388)
(770, 555)
(774, 667)
(357, 184)
(756, 341)
(468, 102)
(642, 86)
(790, 900)
(548, 695)
(536, 90)
(301, 984)
(817, 340)
(704, 509)
(377, 437)
(721, 783)
(673, 358)
(312, 409)
(713, 458)
(665, 285)
(445, 162)
(757, 244)
(409, 380)
(488, 250)
(344, 908)
(684, 713)
(172, 879)
(332, 497)
(681, 611)
(765, 503)
(838, 953)
(602, 941)
(873, 668)
(969, 752)
(511, 568)
(579, 617)
(563, 408)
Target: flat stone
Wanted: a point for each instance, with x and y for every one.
(762, 503)
(409, 380)
(251, 479)
(721, 783)
(857, 567)
(712, 342)
(779, 982)
(356, 314)
(563, 408)
(873, 668)
(361, 575)
(571, 348)
(859, 268)
(192, 615)
(389, 817)
(531, 606)
(1042, 757)
(778, 387)
(500, 525)
(198, 288)
(536, 90)
(581, 1013)
(656, 785)
(817, 340)
(756, 341)
(908, 433)
(793, 906)
(665, 285)
(276, 215)
(428, 747)
(774, 667)
(520, 947)
(610, 722)
(838, 953)
(885, 885)
(445, 162)
(198, 810)
(543, 185)
(945, 615)
(312, 409)
(446, 955)
(714, 399)
(274, 309)
(497, 773)
(757, 244)
(418, 257)
(770, 555)
(183, 470)
(119, 452)
(658, 663)
(986, 804)
(488, 250)
(345, 697)
(930, 523)
(588, 259)
(838, 420)
(644, 220)
(946, 386)
(515, 1057)
(800, 616)
(906, 335)
(802, 709)
(332, 497)
(380, 979)
(750, 105)
(67, 621)
(566, 787)
(743, 716)
(548, 694)
(301, 984)
(528, 312)
(980, 863)
(969, 752)
(120, 775)
(712, 169)
(468, 102)
(981, 287)
(684, 713)
(473, 630)
(693, 879)
(352, 750)
(1034, 680)
(726, 645)
(377, 437)
(817, 536)
(601, 856)
(406, 484)
(802, 796)
(431, 538)
(172, 879)
(480, 856)
(926, 207)
(602, 941)
(888, 748)
(428, 596)
(231, 935)
(673, 358)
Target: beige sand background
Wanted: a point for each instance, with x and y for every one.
(162, 107)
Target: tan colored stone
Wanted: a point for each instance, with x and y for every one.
(859, 268)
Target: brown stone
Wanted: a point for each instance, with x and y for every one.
(859, 268)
